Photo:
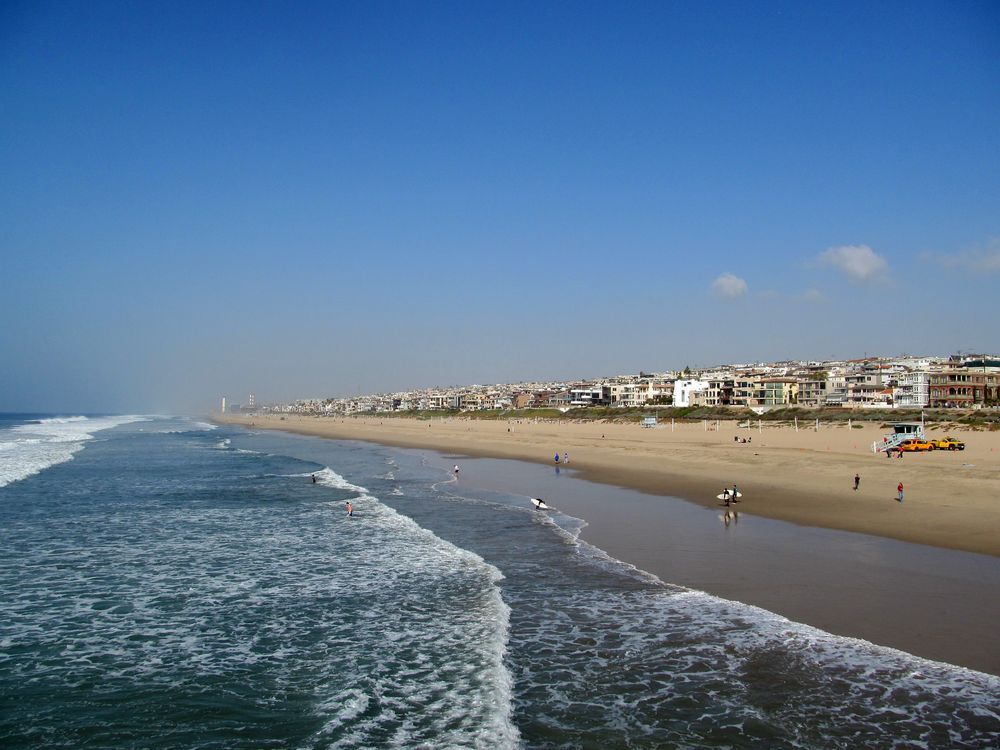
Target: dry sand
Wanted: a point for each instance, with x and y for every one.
(804, 476)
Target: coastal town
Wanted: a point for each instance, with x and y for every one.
(970, 381)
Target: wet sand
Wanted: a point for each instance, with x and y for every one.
(952, 499)
(937, 603)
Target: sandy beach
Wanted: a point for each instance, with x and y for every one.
(804, 476)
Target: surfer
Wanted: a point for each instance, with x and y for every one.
(456, 470)
(314, 478)
(350, 508)
(736, 494)
(725, 495)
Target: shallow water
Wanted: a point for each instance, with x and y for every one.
(171, 585)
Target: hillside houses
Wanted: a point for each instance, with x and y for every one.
(870, 383)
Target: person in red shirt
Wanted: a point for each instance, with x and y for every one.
(899, 489)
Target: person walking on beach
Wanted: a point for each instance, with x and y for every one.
(350, 508)
(565, 458)
(725, 496)
(899, 489)
(557, 456)
(736, 494)
(857, 482)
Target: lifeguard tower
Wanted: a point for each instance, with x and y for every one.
(900, 432)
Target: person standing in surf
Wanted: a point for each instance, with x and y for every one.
(350, 508)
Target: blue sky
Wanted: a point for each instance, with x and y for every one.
(203, 199)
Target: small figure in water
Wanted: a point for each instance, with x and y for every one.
(456, 470)
(314, 478)
(350, 508)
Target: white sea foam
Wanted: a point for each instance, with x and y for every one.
(404, 632)
(328, 477)
(28, 449)
(178, 425)
(683, 665)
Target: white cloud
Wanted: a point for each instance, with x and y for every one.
(729, 286)
(812, 295)
(978, 261)
(858, 262)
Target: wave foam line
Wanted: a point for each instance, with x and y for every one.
(31, 448)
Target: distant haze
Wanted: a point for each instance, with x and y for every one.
(319, 199)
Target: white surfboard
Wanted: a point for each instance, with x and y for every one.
(729, 496)
(539, 503)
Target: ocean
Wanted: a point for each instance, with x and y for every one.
(165, 583)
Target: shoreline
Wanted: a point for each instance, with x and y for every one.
(804, 477)
(937, 602)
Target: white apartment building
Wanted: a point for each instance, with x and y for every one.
(912, 390)
(684, 388)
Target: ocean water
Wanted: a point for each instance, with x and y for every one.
(168, 584)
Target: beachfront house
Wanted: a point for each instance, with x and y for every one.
(911, 390)
(964, 388)
(719, 392)
(864, 388)
(589, 395)
(683, 390)
(813, 390)
(773, 392)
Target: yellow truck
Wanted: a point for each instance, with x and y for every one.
(948, 444)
